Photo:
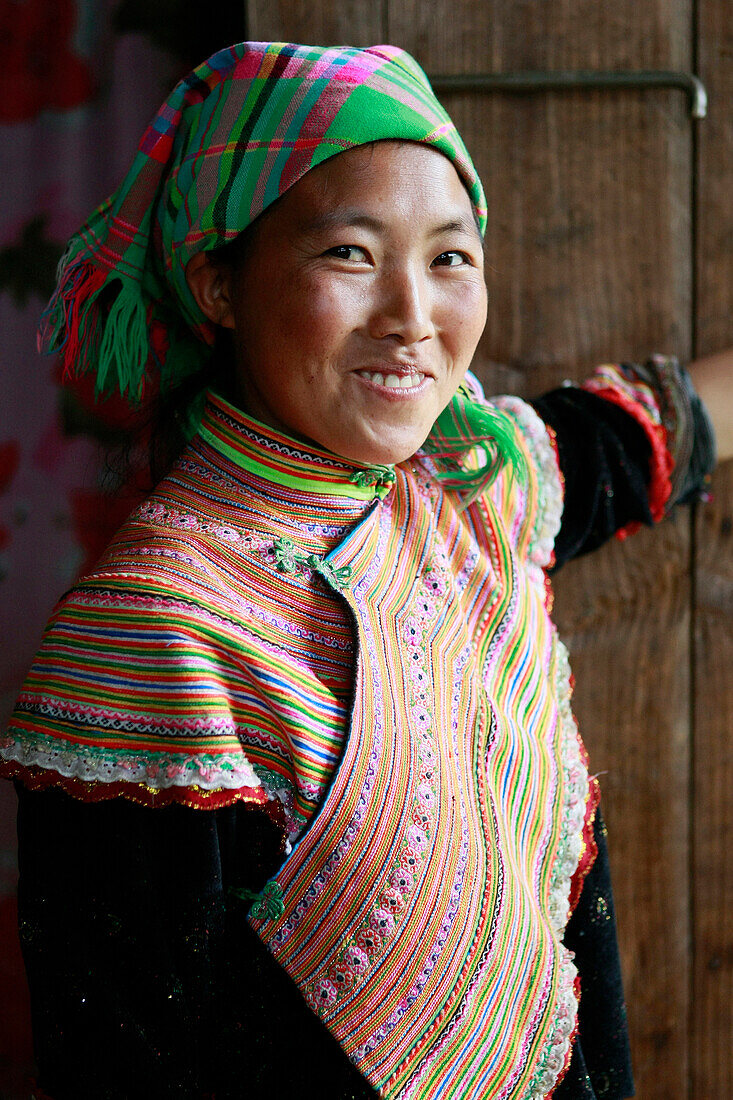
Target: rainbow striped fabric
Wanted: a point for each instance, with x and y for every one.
(212, 657)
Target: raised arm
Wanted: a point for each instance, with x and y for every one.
(713, 379)
(633, 441)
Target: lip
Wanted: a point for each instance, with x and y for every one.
(390, 392)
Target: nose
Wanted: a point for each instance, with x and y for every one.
(402, 306)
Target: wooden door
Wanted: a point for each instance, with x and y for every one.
(711, 836)
(611, 236)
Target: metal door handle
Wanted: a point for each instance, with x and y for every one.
(564, 81)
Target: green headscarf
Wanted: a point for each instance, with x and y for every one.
(233, 136)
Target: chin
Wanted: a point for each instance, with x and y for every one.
(381, 453)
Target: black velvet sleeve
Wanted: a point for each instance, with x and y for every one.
(145, 978)
(604, 459)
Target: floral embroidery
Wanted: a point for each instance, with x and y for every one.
(154, 512)
(371, 940)
(289, 559)
(325, 993)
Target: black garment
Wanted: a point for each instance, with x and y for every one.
(601, 1064)
(146, 981)
(604, 458)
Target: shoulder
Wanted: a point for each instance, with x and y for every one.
(130, 691)
(524, 486)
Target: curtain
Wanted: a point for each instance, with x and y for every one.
(79, 80)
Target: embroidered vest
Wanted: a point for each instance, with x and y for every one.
(438, 824)
(424, 904)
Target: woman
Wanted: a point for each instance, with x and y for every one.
(299, 751)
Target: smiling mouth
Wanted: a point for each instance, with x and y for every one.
(393, 381)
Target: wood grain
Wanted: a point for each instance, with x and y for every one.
(624, 614)
(356, 22)
(589, 257)
(712, 1018)
(588, 242)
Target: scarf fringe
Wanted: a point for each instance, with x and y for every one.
(124, 348)
(464, 427)
(110, 340)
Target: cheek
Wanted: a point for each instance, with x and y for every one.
(463, 317)
(325, 314)
(340, 299)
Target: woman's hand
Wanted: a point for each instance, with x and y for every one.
(713, 379)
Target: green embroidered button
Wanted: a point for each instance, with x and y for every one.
(288, 558)
(267, 905)
(287, 555)
(381, 477)
(338, 578)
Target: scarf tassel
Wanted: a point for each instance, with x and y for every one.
(109, 338)
(464, 428)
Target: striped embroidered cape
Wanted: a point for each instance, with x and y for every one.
(211, 657)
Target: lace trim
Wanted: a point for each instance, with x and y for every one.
(567, 861)
(543, 452)
(555, 1059)
(157, 770)
(39, 779)
(204, 774)
(590, 848)
(576, 800)
(282, 791)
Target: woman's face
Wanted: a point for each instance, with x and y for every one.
(360, 303)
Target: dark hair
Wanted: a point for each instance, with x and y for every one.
(141, 451)
(169, 415)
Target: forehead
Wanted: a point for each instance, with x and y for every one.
(388, 181)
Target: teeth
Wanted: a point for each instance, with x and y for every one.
(393, 381)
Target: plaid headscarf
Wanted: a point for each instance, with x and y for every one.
(233, 136)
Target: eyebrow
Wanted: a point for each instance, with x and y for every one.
(345, 218)
(459, 225)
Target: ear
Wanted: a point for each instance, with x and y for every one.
(211, 286)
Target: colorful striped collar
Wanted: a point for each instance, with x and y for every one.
(282, 460)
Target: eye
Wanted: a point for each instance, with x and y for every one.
(351, 252)
(451, 259)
